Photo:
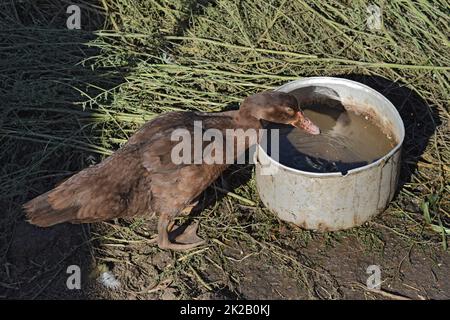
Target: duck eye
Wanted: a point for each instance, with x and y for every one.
(290, 111)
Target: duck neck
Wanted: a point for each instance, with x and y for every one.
(245, 120)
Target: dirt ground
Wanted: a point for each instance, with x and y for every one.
(300, 265)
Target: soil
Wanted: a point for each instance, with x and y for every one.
(335, 268)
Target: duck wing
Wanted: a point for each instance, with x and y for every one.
(118, 186)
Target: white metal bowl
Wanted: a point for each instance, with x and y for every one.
(334, 201)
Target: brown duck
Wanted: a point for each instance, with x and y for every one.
(141, 178)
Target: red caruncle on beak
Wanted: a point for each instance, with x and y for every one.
(305, 124)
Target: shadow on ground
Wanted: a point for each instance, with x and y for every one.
(46, 136)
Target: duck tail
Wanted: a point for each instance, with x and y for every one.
(40, 212)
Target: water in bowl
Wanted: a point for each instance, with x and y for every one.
(347, 141)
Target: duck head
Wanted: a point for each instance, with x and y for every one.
(278, 107)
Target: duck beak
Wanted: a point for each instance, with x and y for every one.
(304, 123)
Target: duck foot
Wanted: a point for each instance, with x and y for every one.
(188, 239)
(188, 235)
(185, 212)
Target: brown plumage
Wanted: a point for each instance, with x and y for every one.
(141, 178)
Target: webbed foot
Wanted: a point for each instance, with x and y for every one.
(186, 240)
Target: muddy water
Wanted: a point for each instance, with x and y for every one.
(347, 141)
